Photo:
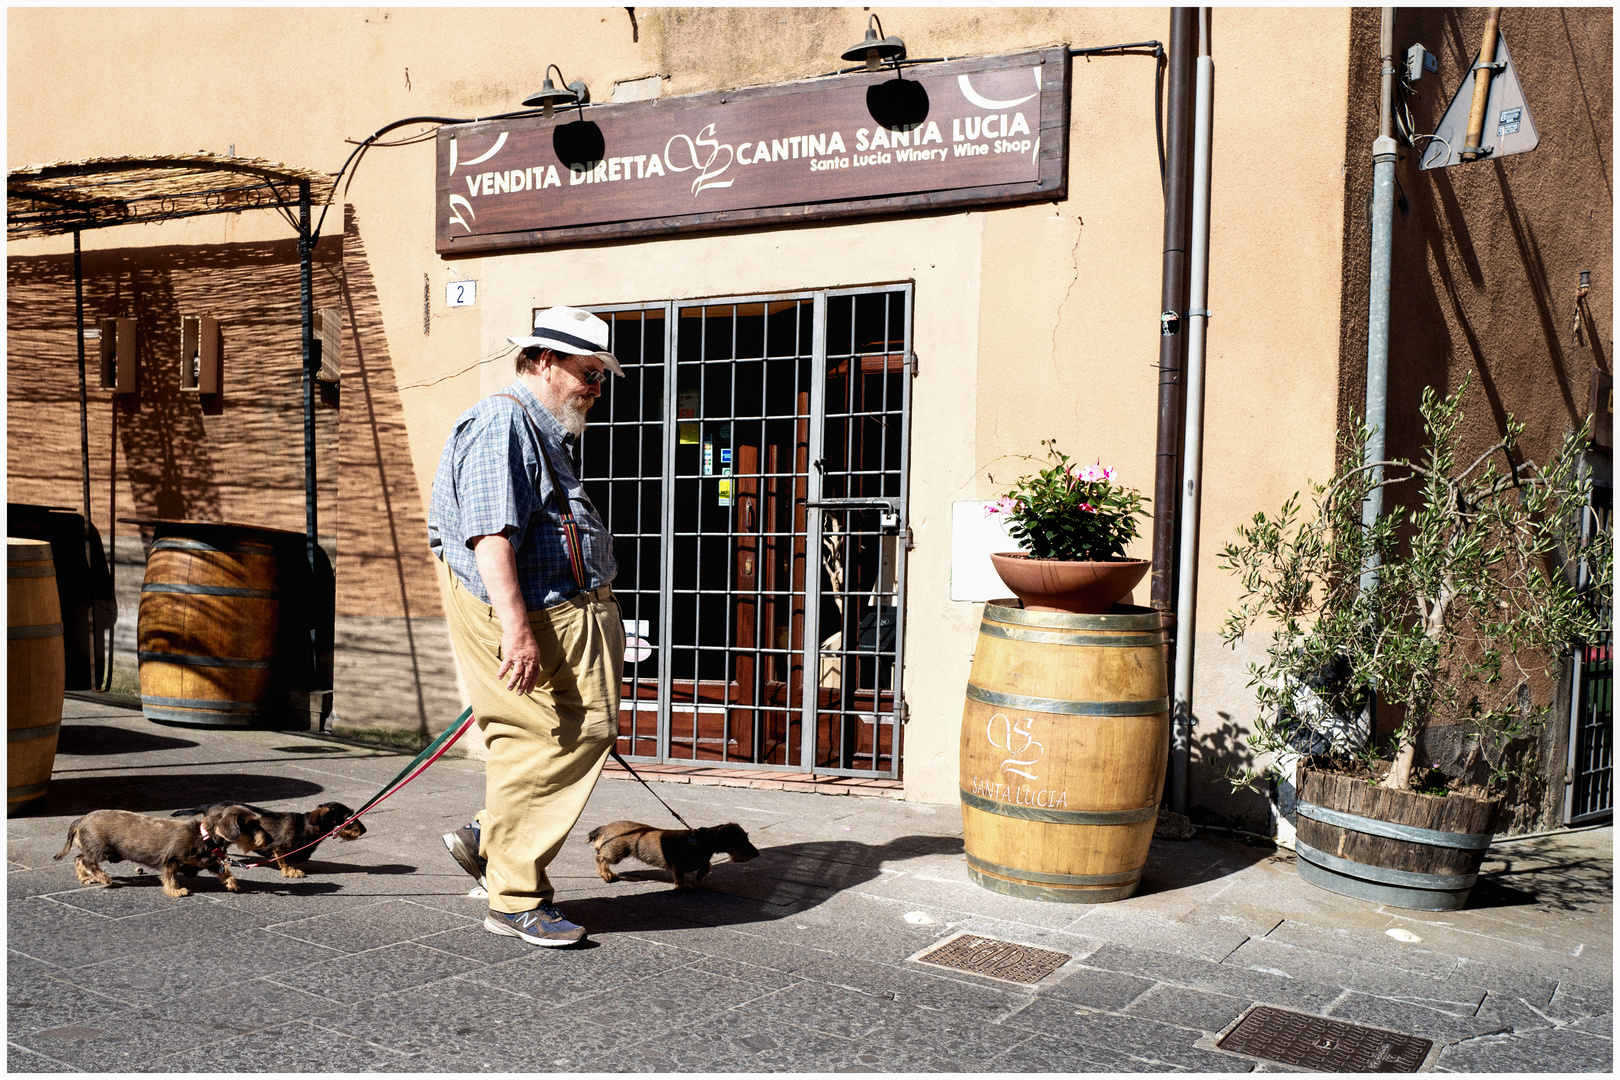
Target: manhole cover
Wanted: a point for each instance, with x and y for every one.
(1315, 1042)
(997, 959)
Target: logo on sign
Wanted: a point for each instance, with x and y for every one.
(702, 154)
(1017, 740)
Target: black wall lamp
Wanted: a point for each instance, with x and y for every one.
(548, 97)
(897, 104)
(874, 50)
(579, 144)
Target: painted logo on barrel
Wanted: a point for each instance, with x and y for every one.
(1024, 752)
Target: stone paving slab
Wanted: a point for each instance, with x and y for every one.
(800, 961)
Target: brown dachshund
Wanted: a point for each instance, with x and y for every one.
(680, 851)
(169, 847)
(281, 836)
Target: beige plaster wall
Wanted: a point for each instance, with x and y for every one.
(1069, 335)
(1032, 322)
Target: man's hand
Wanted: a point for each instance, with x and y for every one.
(520, 654)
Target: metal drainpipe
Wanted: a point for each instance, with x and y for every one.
(306, 252)
(1173, 301)
(1193, 443)
(84, 406)
(1383, 229)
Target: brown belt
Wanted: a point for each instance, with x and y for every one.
(601, 594)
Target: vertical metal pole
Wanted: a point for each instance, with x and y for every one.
(84, 401)
(902, 545)
(307, 308)
(1181, 716)
(1472, 149)
(1383, 226)
(306, 249)
(811, 706)
(84, 443)
(666, 518)
(1173, 300)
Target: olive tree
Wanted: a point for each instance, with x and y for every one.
(1485, 581)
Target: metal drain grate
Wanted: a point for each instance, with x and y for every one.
(1315, 1042)
(997, 959)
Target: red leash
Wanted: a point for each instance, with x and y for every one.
(416, 768)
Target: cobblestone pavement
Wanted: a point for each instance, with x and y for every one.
(802, 960)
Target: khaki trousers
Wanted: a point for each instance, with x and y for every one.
(546, 749)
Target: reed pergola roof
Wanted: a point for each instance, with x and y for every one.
(71, 196)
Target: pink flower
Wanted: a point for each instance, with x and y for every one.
(1088, 508)
(1090, 474)
(1107, 473)
(1003, 505)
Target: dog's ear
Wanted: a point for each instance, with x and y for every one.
(238, 821)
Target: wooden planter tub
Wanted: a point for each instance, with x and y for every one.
(1391, 847)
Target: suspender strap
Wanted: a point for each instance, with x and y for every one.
(565, 508)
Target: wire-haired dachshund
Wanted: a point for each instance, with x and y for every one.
(680, 851)
(281, 836)
(169, 847)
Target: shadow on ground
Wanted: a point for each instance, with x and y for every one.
(782, 881)
(71, 796)
(104, 739)
(1542, 871)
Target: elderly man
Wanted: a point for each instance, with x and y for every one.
(525, 566)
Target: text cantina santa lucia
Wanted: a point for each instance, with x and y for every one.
(970, 136)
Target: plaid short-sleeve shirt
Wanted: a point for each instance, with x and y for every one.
(491, 478)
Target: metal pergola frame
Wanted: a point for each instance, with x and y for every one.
(93, 193)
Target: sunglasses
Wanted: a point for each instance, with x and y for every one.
(589, 378)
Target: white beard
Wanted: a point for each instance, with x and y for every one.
(572, 414)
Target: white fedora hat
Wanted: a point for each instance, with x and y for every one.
(573, 332)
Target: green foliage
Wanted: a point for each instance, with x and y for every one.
(1071, 512)
(1474, 591)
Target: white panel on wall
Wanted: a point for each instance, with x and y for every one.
(973, 537)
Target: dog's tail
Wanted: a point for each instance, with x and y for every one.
(203, 809)
(73, 838)
(594, 833)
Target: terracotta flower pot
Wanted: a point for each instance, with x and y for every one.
(1084, 588)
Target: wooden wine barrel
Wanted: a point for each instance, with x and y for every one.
(35, 672)
(206, 636)
(1064, 739)
(1399, 848)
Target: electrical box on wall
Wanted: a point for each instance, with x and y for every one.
(199, 354)
(119, 370)
(329, 344)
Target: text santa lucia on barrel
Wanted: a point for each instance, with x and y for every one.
(1019, 795)
(969, 135)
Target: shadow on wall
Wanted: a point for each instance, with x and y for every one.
(1219, 750)
(178, 455)
(397, 669)
(1487, 255)
(237, 456)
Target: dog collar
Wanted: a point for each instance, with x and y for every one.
(212, 842)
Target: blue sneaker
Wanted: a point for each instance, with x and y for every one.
(545, 925)
(463, 845)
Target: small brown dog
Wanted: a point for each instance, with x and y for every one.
(680, 851)
(169, 847)
(278, 835)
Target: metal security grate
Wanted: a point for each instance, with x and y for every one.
(997, 959)
(752, 465)
(1589, 795)
(1315, 1042)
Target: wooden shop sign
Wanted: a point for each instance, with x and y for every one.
(964, 133)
